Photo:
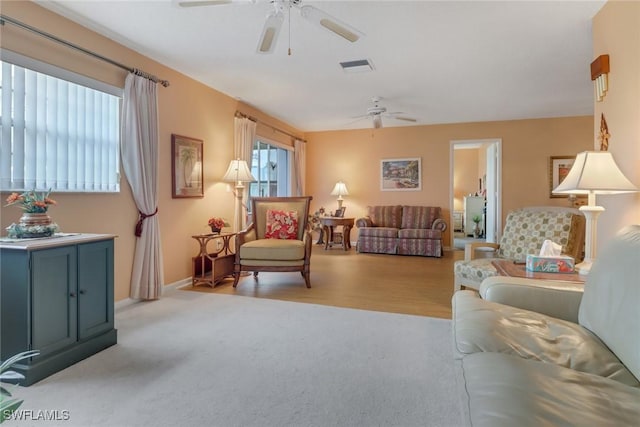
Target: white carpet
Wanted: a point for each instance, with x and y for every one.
(199, 359)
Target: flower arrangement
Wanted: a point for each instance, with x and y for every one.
(34, 222)
(31, 201)
(217, 223)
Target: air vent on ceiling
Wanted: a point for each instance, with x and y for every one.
(357, 66)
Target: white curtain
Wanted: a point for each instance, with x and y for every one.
(139, 148)
(244, 136)
(299, 166)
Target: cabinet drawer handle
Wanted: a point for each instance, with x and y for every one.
(82, 292)
(72, 294)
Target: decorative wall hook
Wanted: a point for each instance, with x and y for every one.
(599, 74)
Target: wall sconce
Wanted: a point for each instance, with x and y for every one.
(599, 73)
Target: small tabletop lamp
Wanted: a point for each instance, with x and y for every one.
(593, 172)
(238, 173)
(340, 190)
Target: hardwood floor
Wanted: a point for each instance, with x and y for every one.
(391, 283)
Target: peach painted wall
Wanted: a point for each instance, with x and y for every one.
(616, 31)
(354, 157)
(186, 107)
(465, 175)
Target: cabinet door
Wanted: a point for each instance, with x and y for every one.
(54, 303)
(95, 288)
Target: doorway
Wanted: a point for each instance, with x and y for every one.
(476, 177)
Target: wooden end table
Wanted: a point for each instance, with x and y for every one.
(209, 268)
(511, 269)
(329, 222)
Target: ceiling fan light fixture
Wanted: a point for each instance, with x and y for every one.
(377, 122)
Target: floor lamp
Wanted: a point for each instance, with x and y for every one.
(238, 173)
(593, 172)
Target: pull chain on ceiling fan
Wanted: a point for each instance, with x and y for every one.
(275, 18)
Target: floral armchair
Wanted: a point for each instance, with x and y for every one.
(524, 232)
(278, 239)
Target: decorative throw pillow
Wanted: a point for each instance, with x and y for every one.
(281, 224)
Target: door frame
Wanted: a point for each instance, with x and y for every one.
(498, 180)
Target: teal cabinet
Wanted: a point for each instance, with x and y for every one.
(54, 305)
(56, 297)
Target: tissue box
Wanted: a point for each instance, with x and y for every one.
(550, 264)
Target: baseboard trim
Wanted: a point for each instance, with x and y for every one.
(171, 287)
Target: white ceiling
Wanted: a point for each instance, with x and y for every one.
(439, 62)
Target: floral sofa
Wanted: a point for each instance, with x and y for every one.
(402, 230)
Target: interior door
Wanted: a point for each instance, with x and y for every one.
(492, 191)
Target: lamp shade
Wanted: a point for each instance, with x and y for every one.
(340, 189)
(595, 172)
(238, 171)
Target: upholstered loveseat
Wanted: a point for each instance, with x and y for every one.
(547, 353)
(402, 230)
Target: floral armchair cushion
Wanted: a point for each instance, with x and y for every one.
(526, 230)
(281, 224)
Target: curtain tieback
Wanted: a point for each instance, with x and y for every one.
(141, 219)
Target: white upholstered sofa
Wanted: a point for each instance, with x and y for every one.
(546, 353)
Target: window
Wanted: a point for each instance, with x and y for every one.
(56, 134)
(271, 167)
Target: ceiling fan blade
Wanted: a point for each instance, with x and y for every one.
(330, 23)
(406, 119)
(270, 32)
(196, 3)
(357, 119)
(377, 122)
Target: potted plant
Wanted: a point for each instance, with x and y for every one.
(35, 221)
(217, 223)
(476, 230)
(8, 403)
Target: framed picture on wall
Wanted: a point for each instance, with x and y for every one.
(186, 167)
(401, 174)
(559, 167)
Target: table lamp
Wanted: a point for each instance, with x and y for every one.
(238, 173)
(593, 172)
(340, 190)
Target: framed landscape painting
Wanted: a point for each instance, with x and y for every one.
(186, 167)
(401, 174)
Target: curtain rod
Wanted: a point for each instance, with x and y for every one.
(4, 18)
(253, 119)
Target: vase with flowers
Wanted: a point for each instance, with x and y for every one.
(217, 223)
(35, 220)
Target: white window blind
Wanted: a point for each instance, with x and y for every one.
(55, 134)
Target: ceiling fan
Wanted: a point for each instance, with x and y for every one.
(275, 18)
(376, 112)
